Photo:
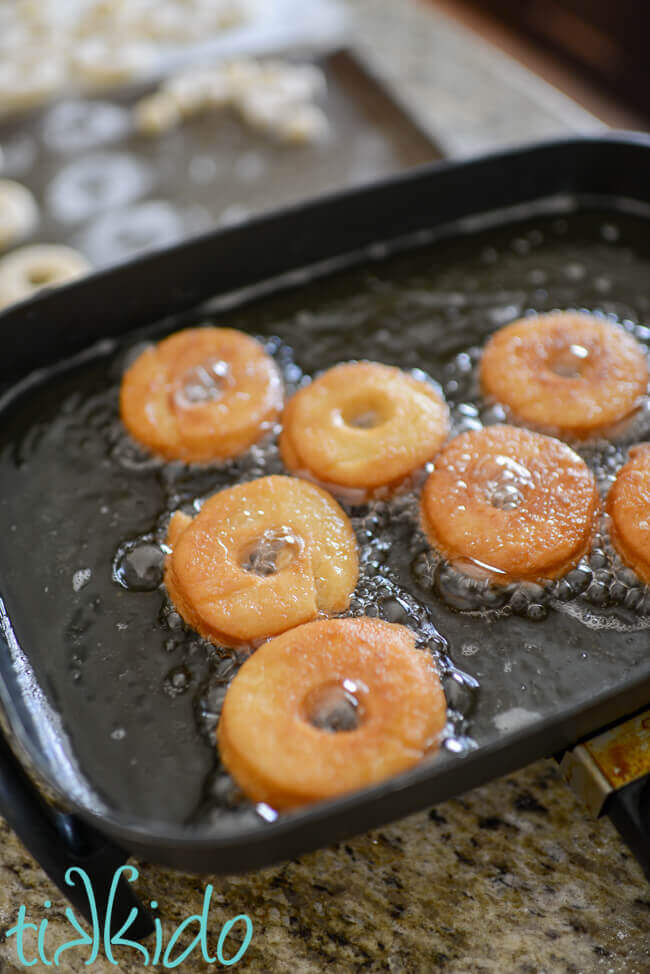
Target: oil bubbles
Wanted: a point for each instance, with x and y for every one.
(138, 566)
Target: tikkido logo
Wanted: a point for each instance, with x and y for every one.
(100, 937)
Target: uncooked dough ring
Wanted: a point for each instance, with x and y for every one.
(25, 271)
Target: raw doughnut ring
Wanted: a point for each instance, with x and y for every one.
(361, 677)
(565, 372)
(260, 558)
(363, 425)
(201, 394)
(628, 505)
(28, 269)
(18, 213)
(510, 505)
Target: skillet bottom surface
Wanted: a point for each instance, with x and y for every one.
(83, 512)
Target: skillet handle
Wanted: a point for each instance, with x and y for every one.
(610, 772)
(59, 842)
(629, 810)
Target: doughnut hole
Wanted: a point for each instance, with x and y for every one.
(202, 383)
(570, 360)
(504, 481)
(41, 275)
(336, 706)
(272, 552)
(368, 411)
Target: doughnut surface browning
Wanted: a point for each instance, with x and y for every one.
(567, 372)
(201, 394)
(260, 558)
(628, 505)
(266, 736)
(363, 425)
(508, 504)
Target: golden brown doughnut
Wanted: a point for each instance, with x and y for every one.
(260, 558)
(202, 394)
(362, 676)
(510, 505)
(362, 425)
(628, 505)
(565, 372)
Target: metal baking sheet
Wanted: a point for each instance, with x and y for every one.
(112, 193)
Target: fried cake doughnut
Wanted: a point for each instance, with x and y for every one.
(327, 708)
(28, 269)
(628, 506)
(507, 504)
(260, 558)
(565, 372)
(201, 394)
(362, 425)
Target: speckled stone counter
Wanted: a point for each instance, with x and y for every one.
(513, 877)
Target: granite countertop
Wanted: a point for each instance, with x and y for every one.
(513, 877)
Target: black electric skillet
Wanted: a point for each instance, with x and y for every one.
(120, 758)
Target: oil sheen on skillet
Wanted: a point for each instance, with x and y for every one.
(83, 514)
